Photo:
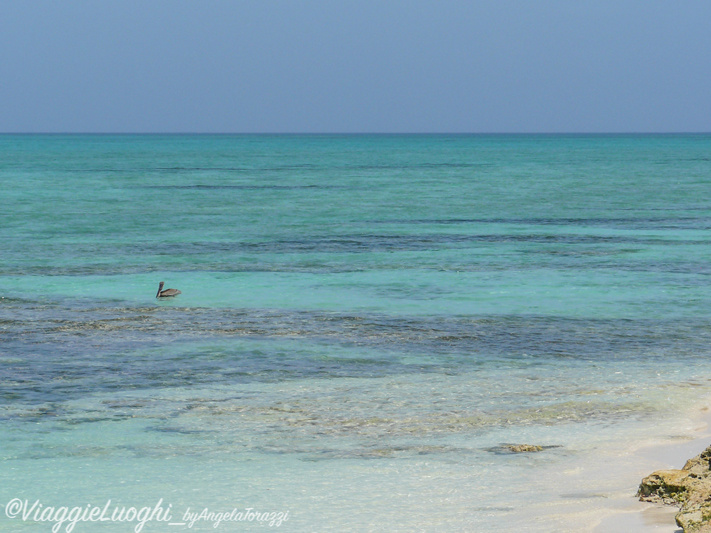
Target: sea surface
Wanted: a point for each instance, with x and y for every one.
(365, 322)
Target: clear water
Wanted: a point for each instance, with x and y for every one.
(363, 321)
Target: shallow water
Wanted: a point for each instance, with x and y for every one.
(365, 320)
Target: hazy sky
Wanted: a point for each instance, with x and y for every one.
(355, 66)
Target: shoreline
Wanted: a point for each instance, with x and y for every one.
(627, 513)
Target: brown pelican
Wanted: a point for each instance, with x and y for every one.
(167, 293)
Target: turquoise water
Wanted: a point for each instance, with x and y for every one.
(364, 320)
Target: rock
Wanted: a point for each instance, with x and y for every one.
(518, 448)
(689, 488)
(523, 448)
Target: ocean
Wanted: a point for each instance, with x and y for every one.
(366, 321)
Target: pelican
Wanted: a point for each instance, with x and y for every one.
(167, 293)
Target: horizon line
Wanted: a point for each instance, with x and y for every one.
(296, 133)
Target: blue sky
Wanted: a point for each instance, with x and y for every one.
(355, 66)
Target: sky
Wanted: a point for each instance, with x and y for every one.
(361, 66)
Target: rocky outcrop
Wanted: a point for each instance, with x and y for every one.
(689, 488)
